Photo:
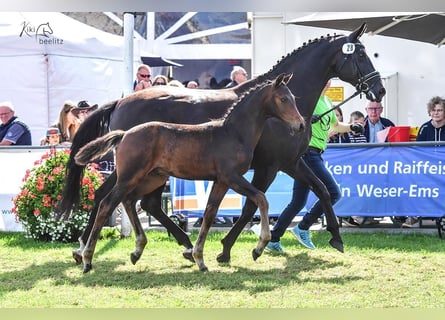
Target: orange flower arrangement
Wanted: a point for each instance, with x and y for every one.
(42, 189)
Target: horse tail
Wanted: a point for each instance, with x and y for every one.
(99, 147)
(96, 125)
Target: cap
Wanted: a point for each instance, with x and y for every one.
(83, 106)
(51, 131)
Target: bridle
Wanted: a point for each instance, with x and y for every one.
(361, 86)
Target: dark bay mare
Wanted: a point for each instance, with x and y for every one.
(312, 64)
(219, 150)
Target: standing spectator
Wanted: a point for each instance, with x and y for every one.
(67, 123)
(237, 76)
(374, 122)
(83, 109)
(143, 75)
(160, 80)
(432, 130)
(13, 131)
(314, 159)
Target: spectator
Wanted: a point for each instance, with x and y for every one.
(83, 109)
(313, 158)
(237, 76)
(52, 137)
(374, 122)
(432, 130)
(160, 80)
(175, 83)
(67, 123)
(13, 131)
(143, 75)
(336, 137)
(192, 84)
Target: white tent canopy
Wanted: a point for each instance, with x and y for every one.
(48, 58)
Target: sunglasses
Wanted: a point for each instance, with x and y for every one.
(159, 83)
(145, 75)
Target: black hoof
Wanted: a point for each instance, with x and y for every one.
(87, 267)
(255, 254)
(223, 258)
(204, 269)
(77, 257)
(188, 254)
(134, 258)
(337, 244)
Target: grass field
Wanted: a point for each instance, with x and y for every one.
(377, 270)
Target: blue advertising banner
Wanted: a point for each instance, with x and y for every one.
(388, 180)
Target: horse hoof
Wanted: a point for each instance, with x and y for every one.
(134, 258)
(223, 258)
(77, 257)
(337, 244)
(188, 254)
(204, 269)
(87, 267)
(255, 254)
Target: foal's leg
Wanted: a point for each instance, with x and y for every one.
(242, 186)
(262, 179)
(216, 195)
(141, 239)
(106, 207)
(305, 175)
(100, 193)
(151, 203)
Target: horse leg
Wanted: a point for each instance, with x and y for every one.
(151, 203)
(215, 197)
(100, 193)
(242, 186)
(141, 239)
(262, 178)
(106, 207)
(306, 176)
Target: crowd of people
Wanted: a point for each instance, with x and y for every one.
(359, 129)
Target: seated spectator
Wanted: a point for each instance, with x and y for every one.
(160, 80)
(356, 137)
(432, 130)
(238, 75)
(143, 75)
(83, 109)
(374, 122)
(176, 83)
(52, 137)
(192, 84)
(334, 136)
(67, 123)
(13, 131)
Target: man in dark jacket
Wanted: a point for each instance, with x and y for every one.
(374, 122)
(12, 130)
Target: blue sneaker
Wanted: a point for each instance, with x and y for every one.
(274, 247)
(303, 236)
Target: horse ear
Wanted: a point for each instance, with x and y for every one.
(280, 79)
(356, 34)
(287, 78)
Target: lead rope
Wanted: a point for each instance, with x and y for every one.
(317, 117)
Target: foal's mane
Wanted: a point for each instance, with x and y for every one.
(262, 81)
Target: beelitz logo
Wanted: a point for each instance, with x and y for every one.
(41, 33)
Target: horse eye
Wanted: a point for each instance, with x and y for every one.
(284, 99)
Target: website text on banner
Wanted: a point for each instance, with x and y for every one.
(385, 180)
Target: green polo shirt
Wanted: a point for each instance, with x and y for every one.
(320, 129)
